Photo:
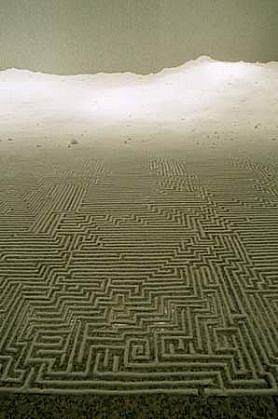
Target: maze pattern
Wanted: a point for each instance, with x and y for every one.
(138, 272)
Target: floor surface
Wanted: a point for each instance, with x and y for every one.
(145, 270)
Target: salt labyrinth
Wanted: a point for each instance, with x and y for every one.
(139, 241)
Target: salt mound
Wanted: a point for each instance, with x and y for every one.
(200, 93)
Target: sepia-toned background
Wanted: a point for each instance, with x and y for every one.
(143, 36)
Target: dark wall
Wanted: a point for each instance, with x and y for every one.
(88, 36)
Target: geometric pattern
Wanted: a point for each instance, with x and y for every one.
(138, 271)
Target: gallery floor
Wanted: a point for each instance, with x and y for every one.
(140, 269)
